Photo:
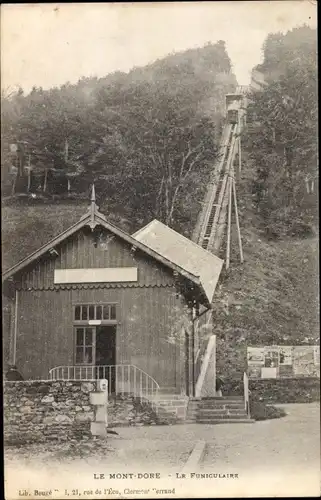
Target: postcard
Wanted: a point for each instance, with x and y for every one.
(160, 245)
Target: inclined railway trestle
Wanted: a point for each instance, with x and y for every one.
(216, 215)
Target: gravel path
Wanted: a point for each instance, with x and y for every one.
(280, 456)
(269, 456)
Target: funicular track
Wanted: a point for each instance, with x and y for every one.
(216, 212)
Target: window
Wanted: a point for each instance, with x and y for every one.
(84, 345)
(99, 312)
(90, 312)
(77, 313)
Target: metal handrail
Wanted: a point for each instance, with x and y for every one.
(122, 379)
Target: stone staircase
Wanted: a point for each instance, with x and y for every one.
(217, 410)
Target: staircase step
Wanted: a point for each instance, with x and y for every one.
(230, 406)
(221, 415)
(217, 400)
(169, 396)
(168, 390)
(223, 421)
(222, 398)
(212, 411)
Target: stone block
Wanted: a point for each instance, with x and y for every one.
(87, 387)
(25, 409)
(63, 418)
(85, 417)
(48, 420)
(48, 399)
(98, 398)
(98, 429)
(181, 412)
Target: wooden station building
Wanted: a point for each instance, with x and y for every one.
(95, 296)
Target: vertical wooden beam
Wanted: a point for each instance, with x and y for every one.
(13, 190)
(214, 364)
(193, 348)
(15, 331)
(182, 353)
(240, 155)
(45, 180)
(228, 244)
(29, 173)
(237, 222)
(9, 353)
(187, 364)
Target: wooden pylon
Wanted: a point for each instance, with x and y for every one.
(237, 222)
(229, 220)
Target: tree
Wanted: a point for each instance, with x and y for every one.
(284, 147)
(146, 138)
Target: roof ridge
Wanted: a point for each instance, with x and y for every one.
(144, 227)
(176, 232)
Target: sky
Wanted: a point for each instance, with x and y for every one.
(49, 44)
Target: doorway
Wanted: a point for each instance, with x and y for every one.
(106, 354)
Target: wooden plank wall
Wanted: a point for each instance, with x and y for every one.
(45, 330)
(148, 310)
(79, 252)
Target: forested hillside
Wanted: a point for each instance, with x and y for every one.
(283, 143)
(147, 138)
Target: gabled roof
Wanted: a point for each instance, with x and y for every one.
(183, 252)
(92, 219)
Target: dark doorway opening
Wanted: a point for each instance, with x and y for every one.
(106, 354)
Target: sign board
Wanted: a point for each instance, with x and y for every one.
(255, 355)
(268, 372)
(271, 357)
(289, 361)
(303, 354)
(100, 275)
(286, 355)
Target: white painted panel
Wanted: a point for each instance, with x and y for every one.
(99, 275)
(268, 372)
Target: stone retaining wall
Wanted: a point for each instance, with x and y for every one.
(40, 411)
(278, 390)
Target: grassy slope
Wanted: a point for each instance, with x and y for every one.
(272, 298)
(28, 226)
